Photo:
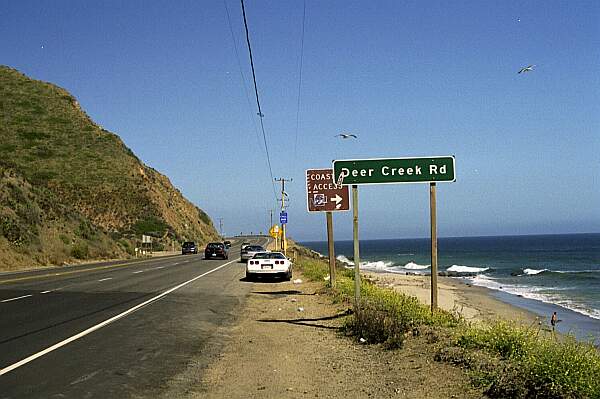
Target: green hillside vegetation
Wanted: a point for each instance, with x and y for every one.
(69, 189)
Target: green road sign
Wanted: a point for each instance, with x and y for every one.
(393, 171)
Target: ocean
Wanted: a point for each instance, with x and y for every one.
(541, 273)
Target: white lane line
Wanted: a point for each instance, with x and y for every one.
(45, 292)
(160, 267)
(17, 298)
(105, 322)
(139, 271)
(104, 279)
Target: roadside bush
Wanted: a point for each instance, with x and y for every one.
(80, 251)
(533, 366)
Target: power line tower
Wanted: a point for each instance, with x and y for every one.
(284, 195)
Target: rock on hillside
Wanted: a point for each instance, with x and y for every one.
(70, 189)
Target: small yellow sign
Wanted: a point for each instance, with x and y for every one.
(274, 231)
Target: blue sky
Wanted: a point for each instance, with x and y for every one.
(410, 78)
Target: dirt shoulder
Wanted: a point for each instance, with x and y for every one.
(287, 344)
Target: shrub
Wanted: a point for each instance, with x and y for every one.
(80, 251)
(534, 366)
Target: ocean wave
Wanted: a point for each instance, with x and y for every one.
(414, 266)
(542, 294)
(343, 259)
(376, 265)
(466, 269)
(533, 272)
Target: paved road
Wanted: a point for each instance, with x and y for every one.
(115, 330)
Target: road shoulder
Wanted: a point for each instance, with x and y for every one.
(287, 344)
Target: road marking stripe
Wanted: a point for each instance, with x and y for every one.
(105, 322)
(78, 271)
(104, 279)
(45, 292)
(160, 267)
(17, 298)
(139, 271)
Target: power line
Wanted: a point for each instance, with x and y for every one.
(237, 57)
(260, 114)
(299, 83)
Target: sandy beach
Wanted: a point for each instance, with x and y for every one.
(475, 304)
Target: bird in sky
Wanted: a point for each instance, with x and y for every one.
(526, 69)
(346, 135)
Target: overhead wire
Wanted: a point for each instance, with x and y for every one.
(299, 83)
(260, 114)
(243, 77)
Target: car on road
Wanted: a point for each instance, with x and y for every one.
(249, 251)
(216, 250)
(269, 264)
(189, 247)
(227, 244)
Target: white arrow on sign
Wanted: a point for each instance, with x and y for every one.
(337, 199)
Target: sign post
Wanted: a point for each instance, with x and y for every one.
(432, 213)
(330, 248)
(324, 195)
(274, 232)
(356, 247)
(396, 171)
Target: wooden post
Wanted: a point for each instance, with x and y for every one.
(356, 246)
(331, 249)
(432, 207)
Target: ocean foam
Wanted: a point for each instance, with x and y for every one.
(535, 293)
(466, 269)
(377, 265)
(345, 260)
(533, 272)
(414, 266)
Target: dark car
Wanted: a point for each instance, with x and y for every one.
(189, 247)
(215, 250)
(227, 244)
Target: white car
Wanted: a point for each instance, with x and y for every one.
(269, 264)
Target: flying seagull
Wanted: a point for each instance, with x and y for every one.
(526, 69)
(346, 135)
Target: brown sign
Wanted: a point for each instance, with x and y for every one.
(323, 195)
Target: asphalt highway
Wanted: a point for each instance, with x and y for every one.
(115, 330)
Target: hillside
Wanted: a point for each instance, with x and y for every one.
(71, 190)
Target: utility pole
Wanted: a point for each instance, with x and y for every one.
(271, 212)
(283, 225)
(221, 226)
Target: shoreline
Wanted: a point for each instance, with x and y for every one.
(477, 303)
(473, 303)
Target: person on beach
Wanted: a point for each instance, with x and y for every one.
(553, 320)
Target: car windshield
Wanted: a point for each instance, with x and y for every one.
(188, 244)
(269, 255)
(214, 245)
(254, 248)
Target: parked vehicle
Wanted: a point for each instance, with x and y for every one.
(244, 245)
(271, 264)
(189, 247)
(215, 250)
(249, 251)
